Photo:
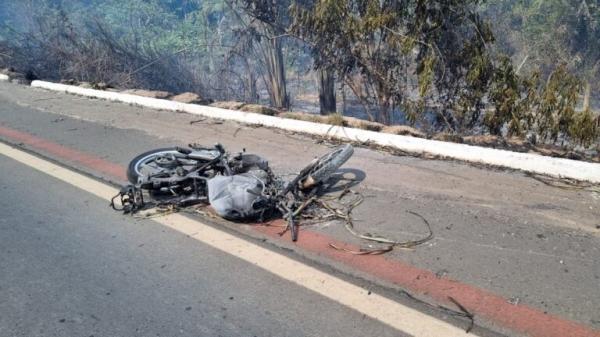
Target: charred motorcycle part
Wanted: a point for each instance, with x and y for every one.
(131, 198)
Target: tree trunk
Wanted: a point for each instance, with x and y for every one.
(251, 93)
(343, 94)
(586, 96)
(326, 92)
(384, 112)
(276, 72)
(384, 105)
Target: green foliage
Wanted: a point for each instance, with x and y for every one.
(540, 34)
(556, 107)
(175, 45)
(512, 98)
(436, 62)
(157, 25)
(426, 75)
(266, 29)
(379, 47)
(546, 32)
(523, 104)
(585, 128)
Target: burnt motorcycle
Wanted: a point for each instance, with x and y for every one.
(238, 186)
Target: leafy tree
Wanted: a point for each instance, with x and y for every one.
(544, 33)
(266, 27)
(436, 62)
(276, 16)
(568, 32)
(512, 97)
(546, 109)
(380, 49)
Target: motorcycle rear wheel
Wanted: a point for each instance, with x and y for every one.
(141, 166)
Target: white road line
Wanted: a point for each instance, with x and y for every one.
(389, 312)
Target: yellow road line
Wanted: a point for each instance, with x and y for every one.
(380, 308)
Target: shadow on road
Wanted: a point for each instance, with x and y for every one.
(343, 179)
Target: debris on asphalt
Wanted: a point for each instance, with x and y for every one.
(243, 187)
(344, 212)
(564, 183)
(462, 312)
(364, 251)
(466, 313)
(197, 121)
(207, 122)
(313, 210)
(318, 209)
(157, 211)
(441, 273)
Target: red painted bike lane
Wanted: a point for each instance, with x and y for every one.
(521, 319)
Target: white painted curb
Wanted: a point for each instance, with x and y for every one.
(4, 77)
(534, 163)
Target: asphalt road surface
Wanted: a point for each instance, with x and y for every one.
(73, 267)
(63, 250)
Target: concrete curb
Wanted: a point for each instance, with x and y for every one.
(533, 163)
(4, 78)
